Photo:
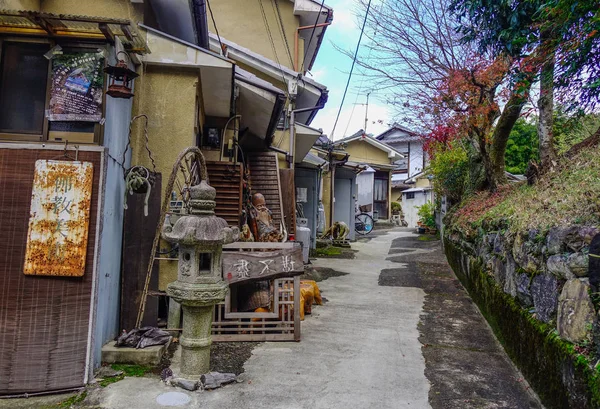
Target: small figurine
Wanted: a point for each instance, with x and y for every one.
(262, 216)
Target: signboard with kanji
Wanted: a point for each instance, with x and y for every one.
(59, 218)
(239, 266)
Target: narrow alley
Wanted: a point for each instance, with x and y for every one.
(398, 331)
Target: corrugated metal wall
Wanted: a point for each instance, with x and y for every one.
(116, 130)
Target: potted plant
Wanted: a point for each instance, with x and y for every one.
(139, 180)
(426, 222)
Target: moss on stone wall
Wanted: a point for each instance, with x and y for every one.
(561, 377)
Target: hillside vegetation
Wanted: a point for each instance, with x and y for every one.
(570, 194)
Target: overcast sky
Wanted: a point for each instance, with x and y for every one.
(331, 68)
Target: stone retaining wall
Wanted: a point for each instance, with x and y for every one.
(534, 291)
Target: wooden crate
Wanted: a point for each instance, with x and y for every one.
(282, 324)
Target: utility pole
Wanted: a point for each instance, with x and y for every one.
(367, 112)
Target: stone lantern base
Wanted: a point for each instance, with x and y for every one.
(198, 303)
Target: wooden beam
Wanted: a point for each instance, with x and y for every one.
(105, 29)
(47, 27)
(127, 32)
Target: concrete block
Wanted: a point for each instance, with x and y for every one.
(149, 356)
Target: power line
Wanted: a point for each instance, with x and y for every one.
(266, 23)
(307, 46)
(216, 29)
(363, 78)
(282, 30)
(362, 30)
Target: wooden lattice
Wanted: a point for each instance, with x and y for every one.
(281, 324)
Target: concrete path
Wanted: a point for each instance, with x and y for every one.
(360, 350)
(398, 331)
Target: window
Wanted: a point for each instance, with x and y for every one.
(23, 85)
(28, 79)
(410, 195)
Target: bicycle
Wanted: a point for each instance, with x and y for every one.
(363, 222)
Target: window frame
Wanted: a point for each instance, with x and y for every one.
(69, 44)
(410, 195)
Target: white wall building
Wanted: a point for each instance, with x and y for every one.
(408, 180)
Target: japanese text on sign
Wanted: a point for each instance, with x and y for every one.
(245, 266)
(59, 218)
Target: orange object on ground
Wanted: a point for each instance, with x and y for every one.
(260, 309)
(309, 295)
(317, 292)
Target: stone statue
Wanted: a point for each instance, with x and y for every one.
(339, 231)
(263, 221)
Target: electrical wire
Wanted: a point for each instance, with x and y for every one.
(266, 23)
(307, 46)
(362, 79)
(216, 29)
(282, 30)
(362, 30)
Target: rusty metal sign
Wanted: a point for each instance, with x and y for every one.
(250, 266)
(59, 218)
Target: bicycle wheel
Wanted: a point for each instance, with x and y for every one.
(363, 224)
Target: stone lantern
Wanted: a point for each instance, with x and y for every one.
(199, 285)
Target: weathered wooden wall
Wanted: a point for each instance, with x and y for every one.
(44, 321)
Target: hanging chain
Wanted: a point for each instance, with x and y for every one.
(147, 142)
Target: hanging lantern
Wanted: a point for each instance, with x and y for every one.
(120, 79)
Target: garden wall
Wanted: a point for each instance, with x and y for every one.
(534, 291)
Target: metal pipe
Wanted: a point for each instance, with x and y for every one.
(223, 135)
(27, 395)
(297, 35)
(290, 157)
(275, 149)
(201, 23)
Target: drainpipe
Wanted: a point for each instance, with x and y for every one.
(290, 157)
(297, 35)
(200, 23)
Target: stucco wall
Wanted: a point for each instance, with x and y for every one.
(33, 5)
(396, 195)
(170, 130)
(104, 8)
(281, 140)
(361, 151)
(241, 21)
(423, 182)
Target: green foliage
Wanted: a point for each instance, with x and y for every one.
(128, 370)
(570, 129)
(132, 370)
(396, 208)
(73, 400)
(426, 214)
(522, 147)
(529, 30)
(450, 169)
(328, 252)
(569, 195)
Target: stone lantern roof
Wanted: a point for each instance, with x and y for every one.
(201, 226)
